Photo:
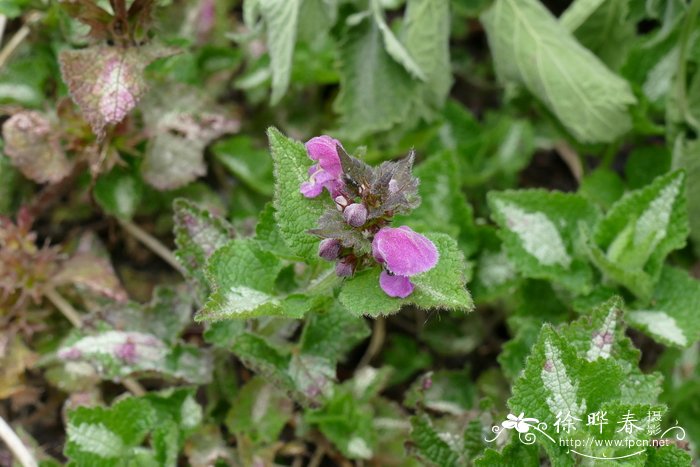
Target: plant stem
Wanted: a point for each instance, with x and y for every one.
(74, 317)
(3, 22)
(64, 307)
(570, 158)
(16, 446)
(375, 343)
(684, 40)
(17, 39)
(152, 243)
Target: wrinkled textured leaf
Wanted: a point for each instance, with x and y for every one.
(107, 82)
(540, 233)
(294, 213)
(376, 101)
(671, 316)
(631, 242)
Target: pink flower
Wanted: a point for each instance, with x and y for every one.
(404, 253)
(328, 172)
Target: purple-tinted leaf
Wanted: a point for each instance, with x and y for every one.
(34, 147)
(181, 129)
(107, 82)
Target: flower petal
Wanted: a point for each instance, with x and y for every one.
(324, 150)
(395, 286)
(404, 251)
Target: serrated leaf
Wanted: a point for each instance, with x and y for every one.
(295, 214)
(280, 18)
(631, 242)
(429, 446)
(242, 276)
(671, 314)
(531, 48)
(294, 373)
(268, 235)
(198, 234)
(118, 354)
(375, 101)
(33, 144)
(441, 287)
(107, 82)
(540, 233)
(108, 436)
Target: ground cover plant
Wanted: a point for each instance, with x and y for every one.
(349, 232)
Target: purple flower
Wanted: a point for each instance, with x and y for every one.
(329, 249)
(345, 267)
(404, 253)
(355, 214)
(328, 172)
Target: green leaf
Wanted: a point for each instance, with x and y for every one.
(8, 183)
(198, 234)
(686, 155)
(441, 287)
(295, 214)
(429, 447)
(305, 380)
(347, 422)
(670, 316)
(108, 436)
(603, 187)
(370, 102)
(268, 235)
(242, 278)
(603, 27)
(540, 233)
(392, 45)
(426, 35)
(515, 454)
(645, 163)
(119, 193)
(631, 242)
(253, 166)
(531, 48)
(260, 411)
(280, 18)
(333, 334)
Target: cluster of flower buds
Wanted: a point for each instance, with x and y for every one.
(357, 233)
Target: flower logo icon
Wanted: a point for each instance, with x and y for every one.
(520, 423)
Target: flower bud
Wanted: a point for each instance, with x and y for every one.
(345, 267)
(341, 202)
(329, 249)
(355, 214)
